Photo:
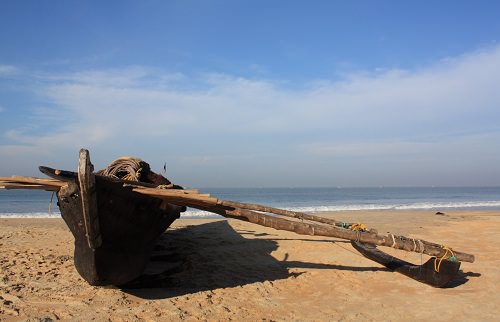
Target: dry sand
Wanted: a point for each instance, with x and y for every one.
(231, 270)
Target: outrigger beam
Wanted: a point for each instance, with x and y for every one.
(316, 226)
(438, 271)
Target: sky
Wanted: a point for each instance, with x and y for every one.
(255, 93)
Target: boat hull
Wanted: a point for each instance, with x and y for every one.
(129, 226)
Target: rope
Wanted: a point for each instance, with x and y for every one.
(127, 168)
(50, 203)
(421, 248)
(437, 262)
(358, 227)
(344, 248)
(165, 186)
(414, 245)
(393, 241)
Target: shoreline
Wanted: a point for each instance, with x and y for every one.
(42, 215)
(234, 270)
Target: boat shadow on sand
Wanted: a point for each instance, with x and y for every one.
(212, 256)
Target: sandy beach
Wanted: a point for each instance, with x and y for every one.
(223, 270)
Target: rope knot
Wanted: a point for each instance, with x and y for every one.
(448, 255)
(358, 227)
(165, 186)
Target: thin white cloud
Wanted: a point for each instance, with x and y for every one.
(362, 115)
(7, 70)
(477, 146)
(453, 89)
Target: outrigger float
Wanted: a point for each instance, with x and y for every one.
(116, 216)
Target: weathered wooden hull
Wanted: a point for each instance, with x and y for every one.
(129, 225)
(425, 273)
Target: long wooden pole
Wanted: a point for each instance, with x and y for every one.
(231, 209)
(258, 214)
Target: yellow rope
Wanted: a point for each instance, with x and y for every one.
(437, 262)
(358, 227)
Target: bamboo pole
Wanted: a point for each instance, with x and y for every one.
(302, 228)
(248, 212)
(283, 212)
(254, 213)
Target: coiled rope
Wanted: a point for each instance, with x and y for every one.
(126, 168)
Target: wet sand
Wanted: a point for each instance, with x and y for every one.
(222, 270)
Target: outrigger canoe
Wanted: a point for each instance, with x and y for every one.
(117, 214)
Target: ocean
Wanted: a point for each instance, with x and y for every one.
(38, 204)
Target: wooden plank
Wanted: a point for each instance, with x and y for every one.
(86, 180)
(32, 180)
(11, 186)
(160, 193)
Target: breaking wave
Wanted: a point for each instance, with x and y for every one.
(472, 205)
(31, 215)
(194, 213)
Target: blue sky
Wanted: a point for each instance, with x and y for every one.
(256, 93)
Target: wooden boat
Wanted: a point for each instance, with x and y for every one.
(435, 272)
(117, 215)
(115, 228)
